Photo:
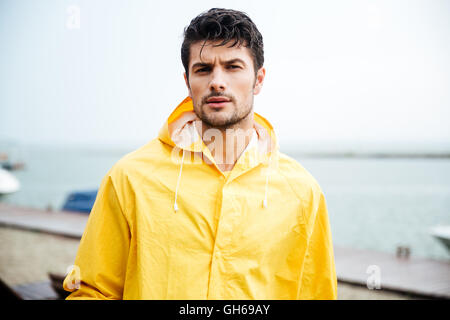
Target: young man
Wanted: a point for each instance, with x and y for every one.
(210, 209)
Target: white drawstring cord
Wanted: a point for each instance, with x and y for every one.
(175, 205)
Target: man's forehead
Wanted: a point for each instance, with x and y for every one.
(210, 52)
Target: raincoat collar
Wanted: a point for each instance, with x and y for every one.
(180, 131)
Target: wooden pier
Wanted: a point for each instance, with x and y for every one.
(69, 224)
(414, 276)
(36, 291)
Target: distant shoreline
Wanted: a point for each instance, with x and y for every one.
(373, 155)
(298, 151)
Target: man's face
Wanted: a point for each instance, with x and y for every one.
(222, 83)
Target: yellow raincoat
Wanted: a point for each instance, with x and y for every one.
(166, 225)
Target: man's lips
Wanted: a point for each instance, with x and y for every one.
(217, 102)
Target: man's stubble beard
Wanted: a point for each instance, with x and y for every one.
(214, 121)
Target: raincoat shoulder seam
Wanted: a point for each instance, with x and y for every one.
(312, 182)
(297, 195)
(290, 185)
(151, 167)
(110, 177)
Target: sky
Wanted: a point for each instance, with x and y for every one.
(365, 74)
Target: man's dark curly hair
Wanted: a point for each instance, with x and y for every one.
(225, 25)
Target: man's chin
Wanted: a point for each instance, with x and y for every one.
(218, 122)
(216, 118)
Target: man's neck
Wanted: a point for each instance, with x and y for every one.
(227, 144)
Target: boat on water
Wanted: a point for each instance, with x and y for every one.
(8, 182)
(6, 164)
(80, 201)
(442, 233)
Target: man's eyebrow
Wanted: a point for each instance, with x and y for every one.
(234, 61)
(200, 65)
(227, 62)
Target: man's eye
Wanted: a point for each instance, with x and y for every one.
(233, 67)
(202, 70)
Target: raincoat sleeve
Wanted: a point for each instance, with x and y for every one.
(100, 265)
(318, 280)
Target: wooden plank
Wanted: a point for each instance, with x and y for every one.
(36, 291)
(425, 277)
(69, 224)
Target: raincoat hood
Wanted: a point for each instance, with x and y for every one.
(167, 223)
(180, 131)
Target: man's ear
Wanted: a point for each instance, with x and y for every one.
(187, 84)
(259, 80)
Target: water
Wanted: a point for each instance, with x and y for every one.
(373, 203)
(381, 203)
(52, 172)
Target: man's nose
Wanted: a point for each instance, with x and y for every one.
(218, 82)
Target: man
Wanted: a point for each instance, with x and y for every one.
(210, 209)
